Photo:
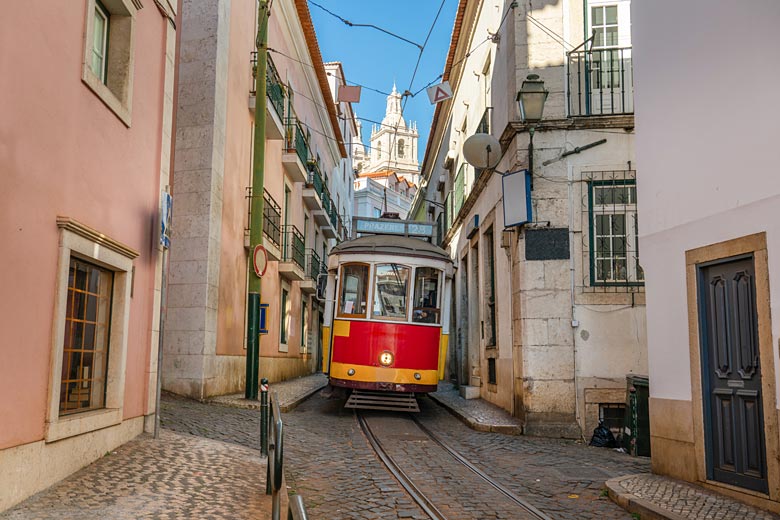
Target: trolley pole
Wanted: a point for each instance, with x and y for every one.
(256, 202)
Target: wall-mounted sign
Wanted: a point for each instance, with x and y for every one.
(393, 227)
(517, 198)
(260, 260)
(263, 328)
(165, 220)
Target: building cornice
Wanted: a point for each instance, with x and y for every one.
(77, 228)
(623, 122)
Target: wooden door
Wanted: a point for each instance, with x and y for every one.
(731, 375)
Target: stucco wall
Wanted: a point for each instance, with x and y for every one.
(63, 152)
(710, 176)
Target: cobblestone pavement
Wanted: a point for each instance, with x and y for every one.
(454, 489)
(329, 464)
(564, 479)
(685, 500)
(173, 477)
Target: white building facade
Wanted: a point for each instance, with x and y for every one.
(709, 196)
(550, 314)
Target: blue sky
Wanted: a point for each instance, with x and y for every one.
(375, 59)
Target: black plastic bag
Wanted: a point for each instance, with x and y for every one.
(602, 437)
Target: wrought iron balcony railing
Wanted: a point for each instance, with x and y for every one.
(600, 82)
(313, 264)
(274, 88)
(293, 246)
(272, 219)
(295, 139)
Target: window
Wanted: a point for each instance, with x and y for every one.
(85, 342)
(613, 417)
(304, 324)
(379, 150)
(108, 53)
(491, 371)
(606, 59)
(614, 233)
(401, 148)
(284, 327)
(426, 295)
(490, 290)
(391, 290)
(90, 323)
(100, 42)
(354, 288)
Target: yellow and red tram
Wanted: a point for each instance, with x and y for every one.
(386, 323)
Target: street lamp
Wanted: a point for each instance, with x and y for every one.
(530, 99)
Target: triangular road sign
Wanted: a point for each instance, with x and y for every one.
(440, 92)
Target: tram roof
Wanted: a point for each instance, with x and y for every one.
(391, 245)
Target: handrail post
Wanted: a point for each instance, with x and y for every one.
(264, 416)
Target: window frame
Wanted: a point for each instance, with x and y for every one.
(367, 291)
(103, 12)
(285, 306)
(77, 240)
(631, 233)
(439, 291)
(115, 87)
(409, 284)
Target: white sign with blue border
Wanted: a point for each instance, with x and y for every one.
(165, 220)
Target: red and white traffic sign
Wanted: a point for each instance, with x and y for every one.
(260, 260)
(439, 92)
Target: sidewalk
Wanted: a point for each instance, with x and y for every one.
(175, 476)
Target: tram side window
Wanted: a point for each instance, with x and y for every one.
(354, 282)
(426, 295)
(391, 291)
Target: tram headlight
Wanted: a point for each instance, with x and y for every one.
(386, 358)
(351, 372)
(417, 376)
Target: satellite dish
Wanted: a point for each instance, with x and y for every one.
(482, 151)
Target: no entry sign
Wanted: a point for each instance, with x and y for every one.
(260, 260)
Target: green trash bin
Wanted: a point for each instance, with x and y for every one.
(636, 433)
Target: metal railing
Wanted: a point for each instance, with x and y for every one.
(293, 249)
(272, 218)
(273, 431)
(600, 82)
(295, 139)
(313, 264)
(274, 89)
(315, 178)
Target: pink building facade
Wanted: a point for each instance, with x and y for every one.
(85, 144)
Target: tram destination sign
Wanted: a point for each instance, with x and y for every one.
(378, 226)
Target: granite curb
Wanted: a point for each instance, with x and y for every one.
(291, 393)
(633, 504)
(474, 423)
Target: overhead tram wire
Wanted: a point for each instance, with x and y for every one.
(368, 25)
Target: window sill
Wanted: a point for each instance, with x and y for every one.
(108, 98)
(80, 423)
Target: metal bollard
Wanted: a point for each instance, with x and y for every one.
(264, 416)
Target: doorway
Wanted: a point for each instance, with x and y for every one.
(735, 443)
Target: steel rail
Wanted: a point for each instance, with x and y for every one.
(395, 470)
(463, 460)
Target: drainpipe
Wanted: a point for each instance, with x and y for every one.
(256, 203)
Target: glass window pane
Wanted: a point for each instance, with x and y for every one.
(602, 224)
(603, 270)
(598, 15)
(611, 38)
(391, 291)
(621, 273)
(598, 40)
(611, 14)
(619, 224)
(285, 316)
(354, 283)
(426, 295)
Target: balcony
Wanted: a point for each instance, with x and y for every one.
(293, 261)
(272, 218)
(600, 82)
(274, 90)
(296, 151)
(313, 193)
(313, 268)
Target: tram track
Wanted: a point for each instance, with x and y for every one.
(426, 503)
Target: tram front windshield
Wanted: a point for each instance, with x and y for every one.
(426, 295)
(391, 291)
